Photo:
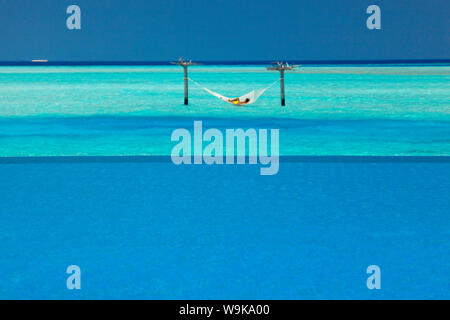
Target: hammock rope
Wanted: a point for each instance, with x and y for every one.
(248, 98)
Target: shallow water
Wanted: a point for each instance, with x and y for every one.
(125, 110)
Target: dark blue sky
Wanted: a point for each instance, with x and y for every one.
(119, 30)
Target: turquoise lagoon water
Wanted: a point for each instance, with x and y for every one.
(123, 110)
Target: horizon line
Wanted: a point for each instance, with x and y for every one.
(44, 62)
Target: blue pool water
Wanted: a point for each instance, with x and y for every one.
(160, 231)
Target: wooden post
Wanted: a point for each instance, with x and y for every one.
(185, 64)
(281, 67)
(185, 86)
(283, 101)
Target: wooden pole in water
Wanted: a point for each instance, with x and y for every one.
(185, 64)
(282, 67)
(185, 86)
(283, 100)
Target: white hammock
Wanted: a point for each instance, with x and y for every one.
(248, 98)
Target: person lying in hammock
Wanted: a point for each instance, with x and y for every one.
(239, 102)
